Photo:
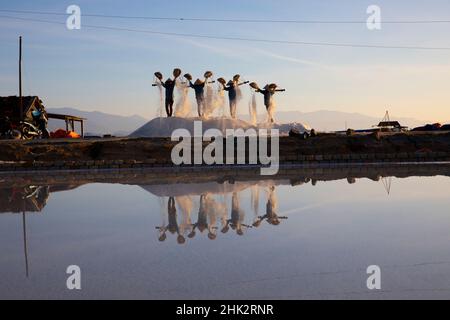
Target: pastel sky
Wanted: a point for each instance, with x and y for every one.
(112, 71)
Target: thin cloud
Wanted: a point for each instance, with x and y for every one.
(290, 59)
(235, 53)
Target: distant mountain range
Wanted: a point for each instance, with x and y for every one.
(99, 123)
(326, 120)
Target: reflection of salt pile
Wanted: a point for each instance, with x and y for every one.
(255, 199)
(163, 127)
(185, 205)
(194, 189)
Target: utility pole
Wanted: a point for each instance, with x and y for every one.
(20, 79)
(25, 246)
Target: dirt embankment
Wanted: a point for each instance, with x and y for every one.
(323, 147)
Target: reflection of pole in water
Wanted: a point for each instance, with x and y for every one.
(25, 246)
(163, 215)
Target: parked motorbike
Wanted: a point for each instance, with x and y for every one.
(36, 128)
(25, 130)
(29, 131)
(8, 131)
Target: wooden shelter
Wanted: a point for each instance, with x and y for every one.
(70, 121)
(391, 126)
(10, 108)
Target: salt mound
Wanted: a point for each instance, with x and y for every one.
(197, 189)
(163, 127)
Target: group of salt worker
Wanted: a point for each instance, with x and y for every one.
(213, 216)
(232, 87)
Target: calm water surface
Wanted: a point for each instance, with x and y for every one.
(267, 239)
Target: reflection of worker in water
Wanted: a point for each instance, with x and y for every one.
(268, 92)
(271, 207)
(202, 218)
(184, 204)
(237, 217)
(213, 209)
(172, 226)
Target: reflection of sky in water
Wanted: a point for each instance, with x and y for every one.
(333, 232)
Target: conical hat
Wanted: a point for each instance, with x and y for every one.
(176, 72)
(254, 85)
(221, 80)
(158, 75)
(273, 221)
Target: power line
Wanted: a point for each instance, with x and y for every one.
(191, 35)
(229, 20)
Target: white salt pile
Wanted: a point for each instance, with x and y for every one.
(164, 127)
(198, 188)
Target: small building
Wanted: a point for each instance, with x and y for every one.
(70, 121)
(27, 199)
(10, 108)
(391, 126)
